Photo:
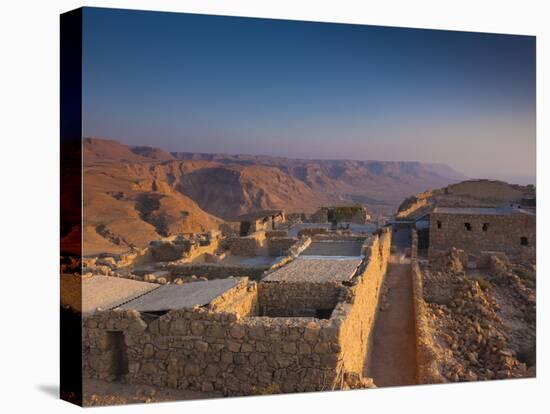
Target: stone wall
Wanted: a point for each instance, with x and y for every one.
(241, 300)
(276, 233)
(357, 311)
(297, 299)
(310, 231)
(279, 246)
(225, 347)
(217, 270)
(247, 246)
(503, 233)
(426, 355)
(198, 349)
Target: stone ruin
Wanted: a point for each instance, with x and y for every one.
(242, 342)
(462, 334)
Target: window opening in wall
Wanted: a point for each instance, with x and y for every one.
(119, 357)
(485, 226)
(438, 224)
(524, 241)
(468, 226)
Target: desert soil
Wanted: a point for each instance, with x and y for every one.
(393, 357)
(99, 393)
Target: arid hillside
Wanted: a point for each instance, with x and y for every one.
(131, 204)
(136, 194)
(474, 193)
(378, 184)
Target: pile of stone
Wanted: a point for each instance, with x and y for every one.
(477, 347)
(164, 277)
(452, 261)
(524, 297)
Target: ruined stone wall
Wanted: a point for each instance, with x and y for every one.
(358, 310)
(216, 270)
(297, 299)
(310, 231)
(336, 236)
(503, 233)
(427, 368)
(247, 246)
(359, 217)
(320, 216)
(241, 300)
(276, 233)
(279, 246)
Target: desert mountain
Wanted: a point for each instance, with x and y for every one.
(472, 193)
(381, 185)
(135, 194)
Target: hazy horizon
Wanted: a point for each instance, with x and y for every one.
(213, 84)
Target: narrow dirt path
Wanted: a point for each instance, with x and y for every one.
(393, 360)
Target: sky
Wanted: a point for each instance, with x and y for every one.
(216, 84)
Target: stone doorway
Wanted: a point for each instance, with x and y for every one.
(119, 356)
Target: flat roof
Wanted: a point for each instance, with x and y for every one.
(188, 295)
(316, 270)
(334, 248)
(482, 211)
(86, 294)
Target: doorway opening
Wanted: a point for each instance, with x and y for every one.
(119, 355)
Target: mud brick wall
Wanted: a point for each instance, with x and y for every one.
(279, 246)
(357, 312)
(504, 233)
(426, 357)
(297, 299)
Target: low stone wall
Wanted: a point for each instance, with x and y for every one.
(276, 233)
(358, 309)
(217, 270)
(297, 299)
(247, 246)
(338, 236)
(426, 357)
(279, 246)
(310, 231)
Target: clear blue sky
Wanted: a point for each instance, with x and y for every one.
(188, 82)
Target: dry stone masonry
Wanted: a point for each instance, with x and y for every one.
(228, 346)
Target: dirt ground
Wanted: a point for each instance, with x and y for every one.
(393, 360)
(100, 393)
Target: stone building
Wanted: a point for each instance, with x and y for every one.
(474, 230)
(260, 221)
(342, 214)
(239, 338)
